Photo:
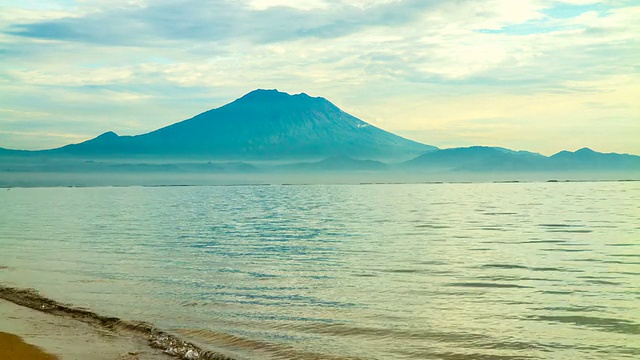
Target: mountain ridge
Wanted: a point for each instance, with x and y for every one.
(486, 158)
(310, 134)
(263, 124)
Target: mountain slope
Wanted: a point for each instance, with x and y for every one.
(336, 163)
(586, 158)
(483, 158)
(478, 158)
(264, 124)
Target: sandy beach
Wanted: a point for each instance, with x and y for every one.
(27, 334)
(45, 327)
(13, 347)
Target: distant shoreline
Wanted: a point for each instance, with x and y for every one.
(186, 181)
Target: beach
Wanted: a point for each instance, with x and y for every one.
(28, 334)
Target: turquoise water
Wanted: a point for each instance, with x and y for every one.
(425, 271)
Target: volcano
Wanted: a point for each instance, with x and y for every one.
(261, 125)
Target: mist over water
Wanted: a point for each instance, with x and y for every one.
(424, 271)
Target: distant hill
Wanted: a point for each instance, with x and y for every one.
(263, 124)
(336, 163)
(483, 158)
(586, 158)
(478, 158)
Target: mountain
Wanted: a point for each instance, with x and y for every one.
(483, 158)
(478, 158)
(336, 163)
(586, 158)
(263, 124)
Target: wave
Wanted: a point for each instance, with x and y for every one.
(156, 338)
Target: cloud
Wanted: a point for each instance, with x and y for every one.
(409, 65)
(217, 20)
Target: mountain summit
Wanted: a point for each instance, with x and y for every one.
(263, 124)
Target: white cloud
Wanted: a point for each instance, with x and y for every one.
(414, 66)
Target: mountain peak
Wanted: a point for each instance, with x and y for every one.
(274, 95)
(265, 93)
(585, 150)
(108, 135)
(270, 93)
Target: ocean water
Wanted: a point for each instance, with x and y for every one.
(423, 271)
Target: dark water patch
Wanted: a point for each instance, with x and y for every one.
(621, 244)
(565, 250)
(404, 271)
(434, 272)
(258, 298)
(433, 226)
(91, 281)
(573, 308)
(542, 242)
(504, 266)
(432, 262)
(272, 303)
(493, 228)
(626, 255)
(228, 270)
(586, 260)
(573, 244)
(599, 277)
(418, 233)
(559, 292)
(488, 285)
(559, 225)
(603, 282)
(621, 262)
(632, 273)
(317, 277)
(634, 351)
(364, 275)
(515, 278)
(188, 303)
(555, 269)
(262, 288)
(499, 213)
(605, 324)
(261, 275)
(565, 228)
(513, 302)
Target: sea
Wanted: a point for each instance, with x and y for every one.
(538, 270)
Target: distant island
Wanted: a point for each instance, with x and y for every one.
(268, 131)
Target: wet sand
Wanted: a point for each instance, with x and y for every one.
(12, 347)
(74, 333)
(27, 334)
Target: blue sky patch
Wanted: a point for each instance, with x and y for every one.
(565, 11)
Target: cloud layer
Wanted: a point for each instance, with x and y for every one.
(534, 74)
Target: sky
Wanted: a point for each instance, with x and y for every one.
(537, 75)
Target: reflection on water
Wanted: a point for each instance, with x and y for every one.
(431, 271)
